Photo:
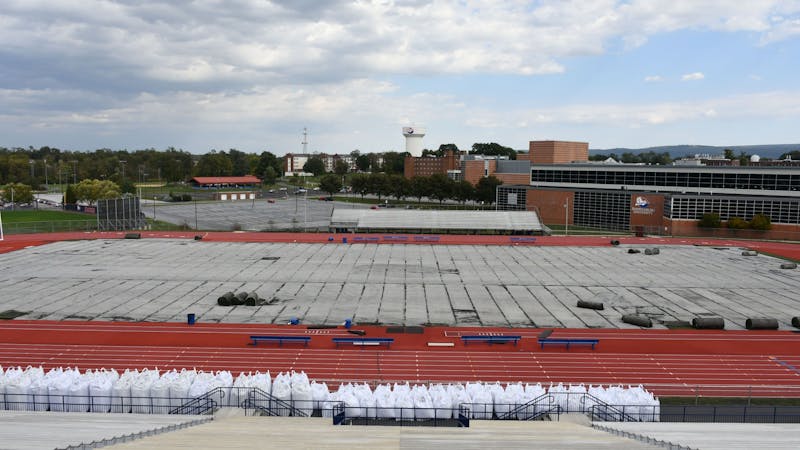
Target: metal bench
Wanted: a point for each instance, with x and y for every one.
(364, 342)
(491, 339)
(280, 339)
(568, 342)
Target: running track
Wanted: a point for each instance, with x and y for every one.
(677, 362)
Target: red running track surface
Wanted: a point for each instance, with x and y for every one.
(674, 363)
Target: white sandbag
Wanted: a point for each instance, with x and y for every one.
(560, 396)
(351, 404)
(506, 403)
(100, 392)
(576, 398)
(41, 400)
(462, 399)
(179, 392)
(385, 402)
(319, 394)
(57, 392)
(327, 406)
(241, 388)
(366, 400)
(140, 392)
(121, 396)
(403, 406)
(18, 396)
(423, 404)
(77, 398)
(262, 382)
(302, 400)
(482, 405)
(281, 391)
(160, 394)
(442, 403)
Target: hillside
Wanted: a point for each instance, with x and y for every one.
(678, 151)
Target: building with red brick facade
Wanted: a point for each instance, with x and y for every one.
(426, 166)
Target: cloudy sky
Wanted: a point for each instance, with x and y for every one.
(251, 74)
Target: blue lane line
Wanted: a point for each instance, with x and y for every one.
(787, 365)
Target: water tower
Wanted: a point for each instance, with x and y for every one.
(414, 137)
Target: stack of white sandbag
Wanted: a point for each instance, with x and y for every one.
(101, 383)
(17, 385)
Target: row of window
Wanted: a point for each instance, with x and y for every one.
(607, 210)
(712, 180)
(779, 211)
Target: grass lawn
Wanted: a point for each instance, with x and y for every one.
(43, 216)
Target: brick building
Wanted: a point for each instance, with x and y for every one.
(556, 152)
(426, 166)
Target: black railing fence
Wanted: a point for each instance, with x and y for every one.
(256, 401)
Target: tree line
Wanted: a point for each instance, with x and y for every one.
(438, 187)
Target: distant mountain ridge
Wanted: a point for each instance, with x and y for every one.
(678, 151)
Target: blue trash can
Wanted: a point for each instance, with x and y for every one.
(190, 319)
(294, 321)
(348, 323)
(344, 240)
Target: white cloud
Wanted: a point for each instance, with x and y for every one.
(693, 76)
(244, 63)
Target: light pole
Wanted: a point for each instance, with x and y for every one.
(32, 162)
(122, 163)
(75, 172)
(566, 217)
(195, 214)
(154, 209)
(46, 187)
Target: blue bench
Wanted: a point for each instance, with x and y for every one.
(363, 342)
(491, 339)
(523, 239)
(568, 342)
(280, 339)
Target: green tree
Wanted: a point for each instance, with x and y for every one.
(493, 149)
(91, 191)
(710, 220)
(737, 223)
(420, 187)
(70, 198)
(728, 153)
(794, 154)
(340, 167)
(761, 222)
(267, 160)
(486, 189)
(363, 163)
(214, 164)
(330, 183)
(314, 165)
(400, 186)
(18, 193)
(360, 184)
(441, 187)
(462, 191)
(394, 162)
(269, 176)
(379, 185)
(239, 163)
